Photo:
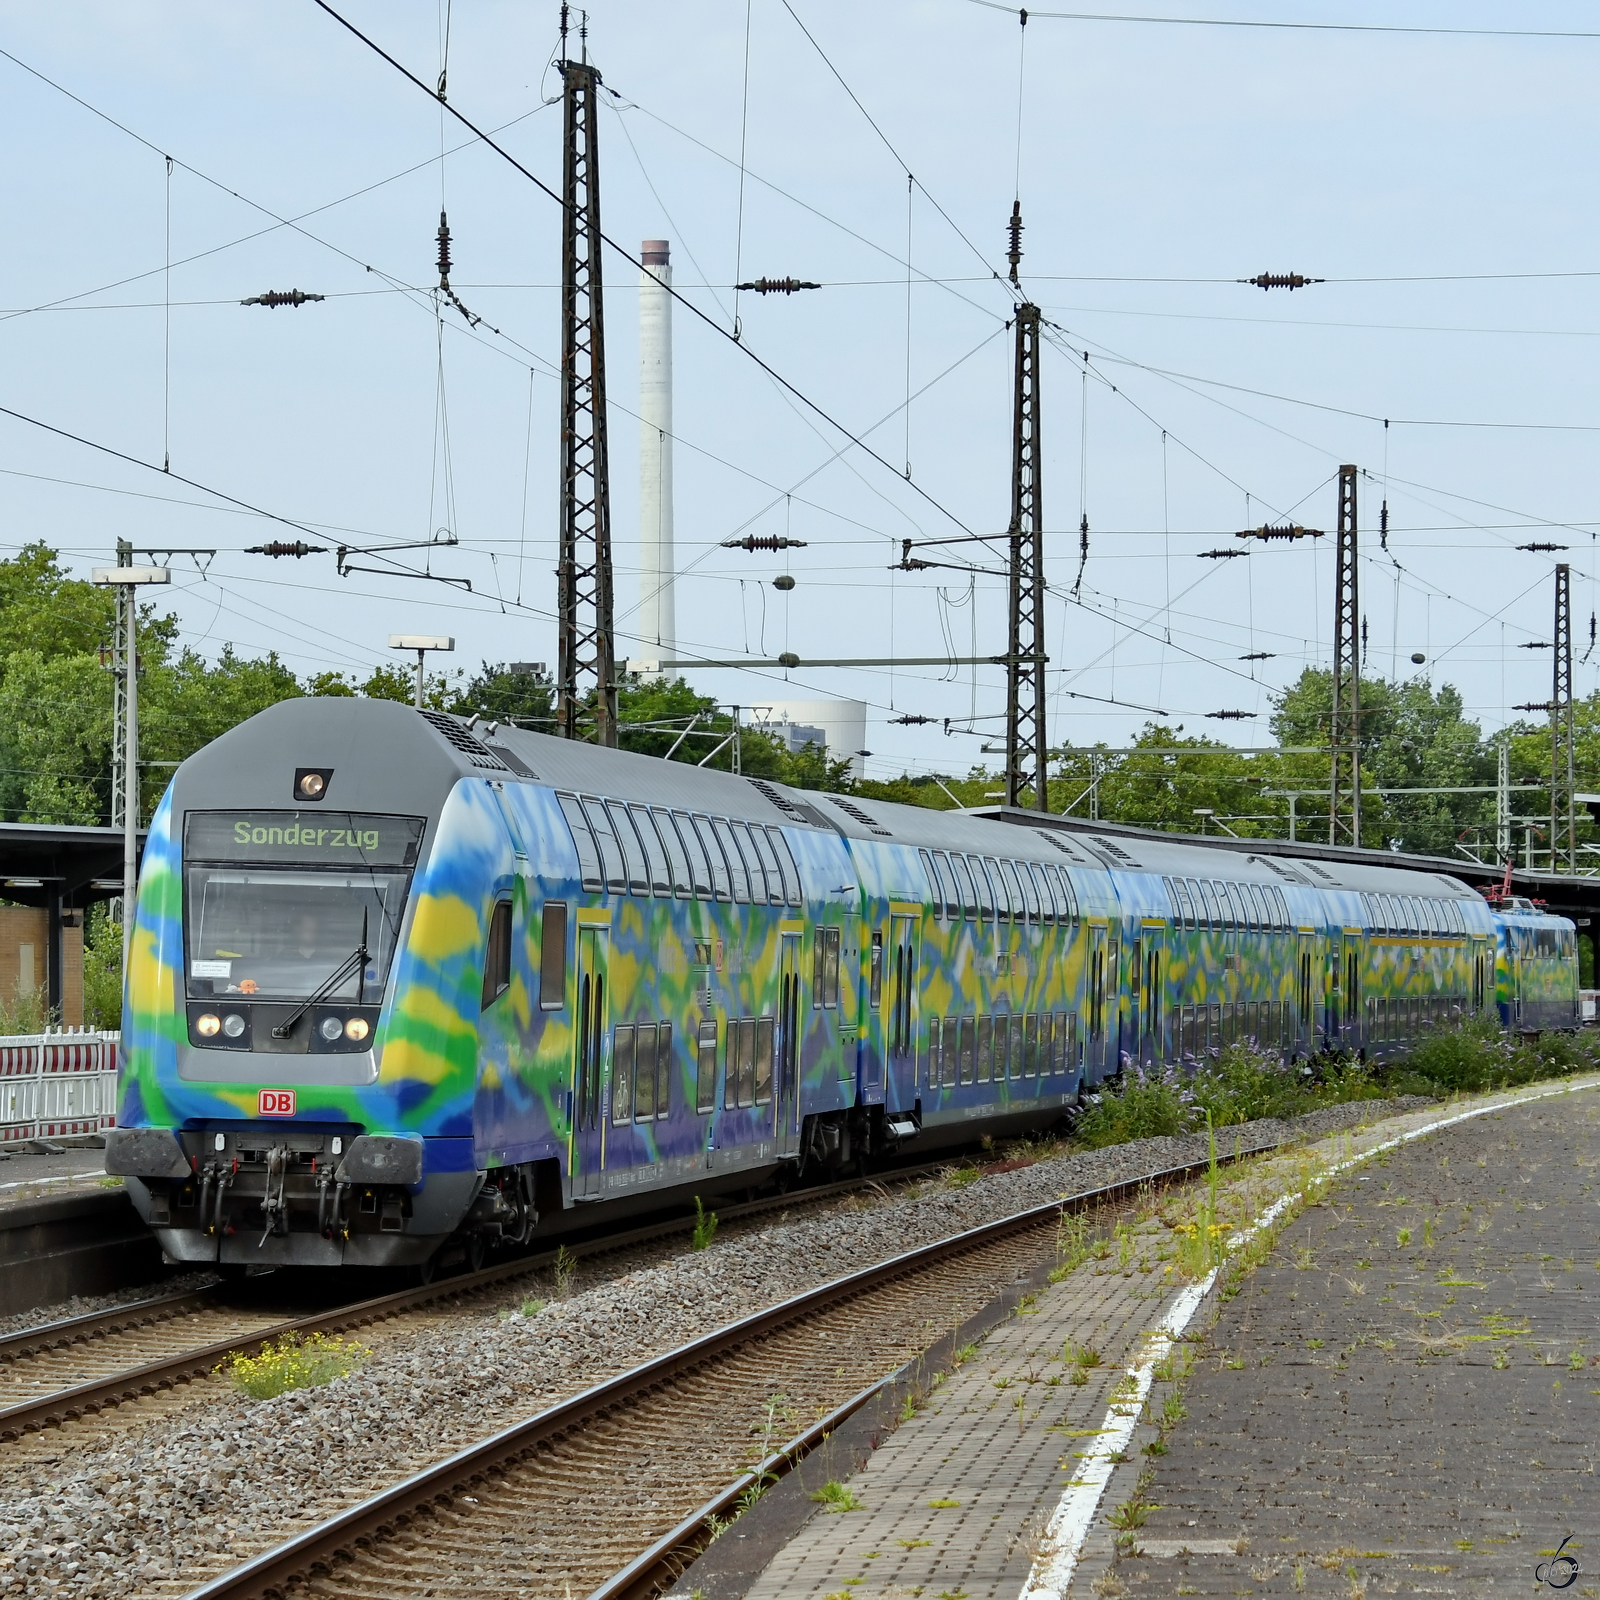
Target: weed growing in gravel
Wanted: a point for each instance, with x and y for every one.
(565, 1270)
(834, 1496)
(293, 1362)
(705, 1226)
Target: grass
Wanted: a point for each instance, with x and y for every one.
(705, 1226)
(293, 1362)
(565, 1269)
(1243, 1082)
(834, 1496)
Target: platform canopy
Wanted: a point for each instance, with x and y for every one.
(60, 868)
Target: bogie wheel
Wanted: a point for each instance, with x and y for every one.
(476, 1250)
(426, 1270)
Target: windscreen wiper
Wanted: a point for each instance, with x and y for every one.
(354, 963)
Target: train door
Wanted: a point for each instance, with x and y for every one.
(1480, 975)
(874, 1032)
(901, 963)
(1307, 996)
(788, 1087)
(589, 1064)
(1094, 1066)
(1152, 1009)
(1352, 1036)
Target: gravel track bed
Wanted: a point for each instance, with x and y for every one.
(157, 1510)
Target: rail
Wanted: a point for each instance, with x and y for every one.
(378, 1518)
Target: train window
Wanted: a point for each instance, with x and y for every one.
(825, 969)
(947, 896)
(694, 853)
(497, 955)
(677, 859)
(1008, 873)
(589, 868)
(632, 849)
(1014, 1049)
(622, 1075)
(1256, 905)
(985, 1049)
(655, 855)
(644, 1073)
(949, 1051)
(933, 891)
(755, 869)
(738, 876)
(1240, 902)
(969, 1035)
(663, 1069)
(553, 956)
(1030, 891)
(746, 1030)
(986, 895)
(1030, 1045)
(705, 1079)
(766, 1043)
(1002, 890)
(769, 862)
(966, 894)
(933, 1052)
(1069, 895)
(1183, 905)
(1047, 895)
(616, 872)
(1002, 1046)
(1210, 917)
(786, 866)
(721, 884)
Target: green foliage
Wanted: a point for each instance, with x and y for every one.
(705, 1226)
(102, 970)
(26, 1011)
(498, 694)
(1148, 1103)
(834, 1496)
(293, 1362)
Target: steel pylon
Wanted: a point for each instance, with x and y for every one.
(1344, 733)
(1026, 743)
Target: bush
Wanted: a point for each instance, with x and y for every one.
(1243, 1083)
(1461, 1057)
(293, 1362)
(1148, 1103)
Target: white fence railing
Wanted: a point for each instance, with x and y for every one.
(57, 1083)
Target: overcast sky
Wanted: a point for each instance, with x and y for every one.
(1439, 183)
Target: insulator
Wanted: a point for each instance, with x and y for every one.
(1289, 530)
(776, 285)
(1229, 716)
(1221, 555)
(1545, 547)
(444, 251)
(911, 721)
(764, 541)
(1258, 655)
(783, 582)
(280, 297)
(1537, 644)
(283, 547)
(1014, 229)
(1280, 280)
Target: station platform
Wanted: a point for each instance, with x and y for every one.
(1397, 1399)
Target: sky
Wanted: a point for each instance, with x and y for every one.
(1435, 182)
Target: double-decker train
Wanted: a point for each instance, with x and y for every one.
(400, 980)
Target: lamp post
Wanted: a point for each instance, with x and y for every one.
(422, 643)
(125, 580)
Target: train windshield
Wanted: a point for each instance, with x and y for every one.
(265, 928)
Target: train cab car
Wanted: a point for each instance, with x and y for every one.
(1535, 966)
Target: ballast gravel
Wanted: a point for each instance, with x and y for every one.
(158, 1509)
(83, 1305)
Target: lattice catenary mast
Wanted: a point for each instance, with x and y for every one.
(1563, 824)
(586, 655)
(1344, 790)
(1026, 744)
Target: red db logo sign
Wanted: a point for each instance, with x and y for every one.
(275, 1103)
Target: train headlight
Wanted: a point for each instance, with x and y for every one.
(331, 1028)
(310, 785)
(233, 1025)
(357, 1028)
(208, 1025)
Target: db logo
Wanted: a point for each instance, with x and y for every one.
(275, 1103)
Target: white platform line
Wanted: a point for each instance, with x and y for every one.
(1069, 1524)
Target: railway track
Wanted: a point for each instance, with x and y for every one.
(609, 1493)
(65, 1371)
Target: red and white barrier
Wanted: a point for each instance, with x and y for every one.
(54, 1084)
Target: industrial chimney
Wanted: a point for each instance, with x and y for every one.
(657, 614)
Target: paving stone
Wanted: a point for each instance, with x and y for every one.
(1405, 1397)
